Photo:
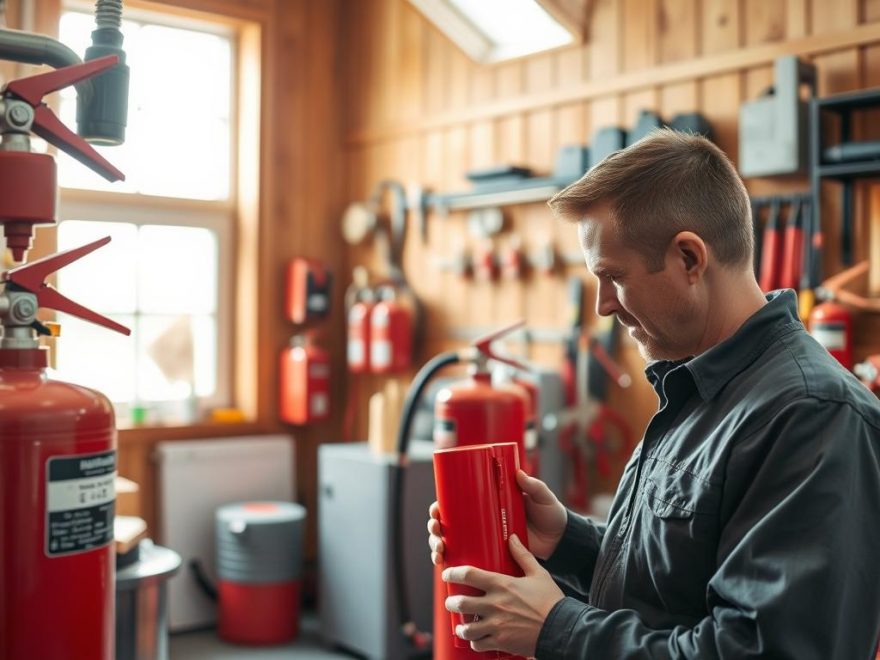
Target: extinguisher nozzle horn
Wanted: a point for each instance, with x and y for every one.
(484, 346)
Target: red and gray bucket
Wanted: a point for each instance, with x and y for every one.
(259, 567)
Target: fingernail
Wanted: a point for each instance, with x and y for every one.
(445, 575)
(514, 538)
(459, 631)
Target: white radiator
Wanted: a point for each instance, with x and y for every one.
(196, 477)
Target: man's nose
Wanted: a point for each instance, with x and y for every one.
(606, 298)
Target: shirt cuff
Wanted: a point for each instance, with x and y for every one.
(553, 640)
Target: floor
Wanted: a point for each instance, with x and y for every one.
(205, 645)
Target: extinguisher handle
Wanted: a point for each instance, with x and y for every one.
(484, 346)
(31, 277)
(46, 125)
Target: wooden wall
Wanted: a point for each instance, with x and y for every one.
(420, 111)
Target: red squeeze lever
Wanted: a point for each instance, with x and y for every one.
(31, 278)
(32, 90)
(771, 250)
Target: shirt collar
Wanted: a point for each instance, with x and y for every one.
(713, 369)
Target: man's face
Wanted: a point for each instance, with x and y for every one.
(654, 306)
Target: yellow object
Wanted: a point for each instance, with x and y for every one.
(227, 415)
(806, 302)
(53, 328)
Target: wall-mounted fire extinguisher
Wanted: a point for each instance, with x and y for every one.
(391, 332)
(467, 412)
(57, 485)
(304, 387)
(830, 324)
(308, 289)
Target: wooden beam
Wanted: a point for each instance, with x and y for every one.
(714, 65)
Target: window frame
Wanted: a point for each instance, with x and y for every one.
(220, 216)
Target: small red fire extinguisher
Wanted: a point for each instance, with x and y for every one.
(391, 333)
(830, 324)
(304, 389)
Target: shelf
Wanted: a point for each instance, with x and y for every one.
(847, 171)
(850, 101)
(527, 191)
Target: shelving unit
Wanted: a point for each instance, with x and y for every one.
(843, 106)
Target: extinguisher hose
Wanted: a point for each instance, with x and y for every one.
(420, 642)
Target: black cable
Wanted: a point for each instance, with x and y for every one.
(419, 642)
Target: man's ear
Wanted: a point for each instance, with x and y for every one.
(690, 254)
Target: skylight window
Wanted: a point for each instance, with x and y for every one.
(495, 30)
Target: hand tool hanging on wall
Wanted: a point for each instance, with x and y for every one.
(771, 249)
(793, 247)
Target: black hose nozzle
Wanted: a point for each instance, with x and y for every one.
(102, 112)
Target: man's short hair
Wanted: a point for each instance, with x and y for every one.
(666, 183)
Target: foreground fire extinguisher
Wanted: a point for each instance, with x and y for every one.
(830, 324)
(57, 440)
(57, 485)
(468, 412)
(481, 506)
(304, 387)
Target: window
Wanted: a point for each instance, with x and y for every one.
(495, 30)
(167, 272)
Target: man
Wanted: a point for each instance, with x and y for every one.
(747, 522)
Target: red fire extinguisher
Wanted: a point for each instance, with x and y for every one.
(391, 333)
(57, 479)
(304, 387)
(830, 324)
(57, 440)
(360, 313)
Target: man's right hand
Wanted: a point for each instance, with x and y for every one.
(545, 515)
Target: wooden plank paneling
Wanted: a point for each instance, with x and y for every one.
(832, 16)
(640, 34)
(677, 34)
(797, 22)
(763, 21)
(869, 11)
(605, 39)
(721, 29)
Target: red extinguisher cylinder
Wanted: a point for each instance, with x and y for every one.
(481, 505)
(390, 338)
(831, 325)
(358, 352)
(57, 476)
(304, 387)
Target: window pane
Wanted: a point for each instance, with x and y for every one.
(104, 280)
(177, 357)
(178, 140)
(97, 357)
(177, 270)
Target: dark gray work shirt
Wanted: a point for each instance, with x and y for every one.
(746, 524)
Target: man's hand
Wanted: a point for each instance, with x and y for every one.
(545, 515)
(512, 611)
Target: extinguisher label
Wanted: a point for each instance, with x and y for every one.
(356, 352)
(530, 441)
(80, 502)
(445, 435)
(380, 354)
(831, 335)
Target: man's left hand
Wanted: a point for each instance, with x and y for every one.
(513, 609)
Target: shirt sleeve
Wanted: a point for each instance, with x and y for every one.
(797, 570)
(574, 560)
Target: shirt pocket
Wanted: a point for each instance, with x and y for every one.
(677, 540)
